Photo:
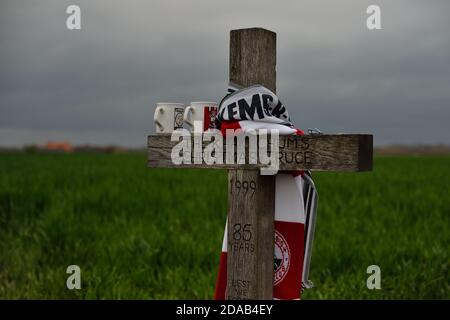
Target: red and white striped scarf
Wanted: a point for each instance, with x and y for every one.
(255, 108)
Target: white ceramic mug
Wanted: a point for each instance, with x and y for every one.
(203, 113)
(168, 117)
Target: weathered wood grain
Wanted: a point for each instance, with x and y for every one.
(251, 199)
(253, 58)
(336, 152)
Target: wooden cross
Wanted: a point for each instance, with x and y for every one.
(251, 214)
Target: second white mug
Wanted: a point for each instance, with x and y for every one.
(203, 113)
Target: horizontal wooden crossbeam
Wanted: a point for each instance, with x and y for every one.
(321, 152)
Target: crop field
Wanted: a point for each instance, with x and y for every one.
(140, 233)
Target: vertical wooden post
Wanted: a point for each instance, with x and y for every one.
(251, 209)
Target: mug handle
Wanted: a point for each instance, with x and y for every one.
(158, 110)
(186, 115)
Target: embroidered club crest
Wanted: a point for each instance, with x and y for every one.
(282, 257)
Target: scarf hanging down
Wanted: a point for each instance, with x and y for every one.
(254, 108)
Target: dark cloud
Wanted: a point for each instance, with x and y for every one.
(100, 84)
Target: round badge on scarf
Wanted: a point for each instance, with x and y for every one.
(282, 257)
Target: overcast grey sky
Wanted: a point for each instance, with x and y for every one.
(99, 85)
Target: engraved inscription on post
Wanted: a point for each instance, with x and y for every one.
(239, 289)
(241, 240)
(295, 151)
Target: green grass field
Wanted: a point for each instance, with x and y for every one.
(140, 233)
